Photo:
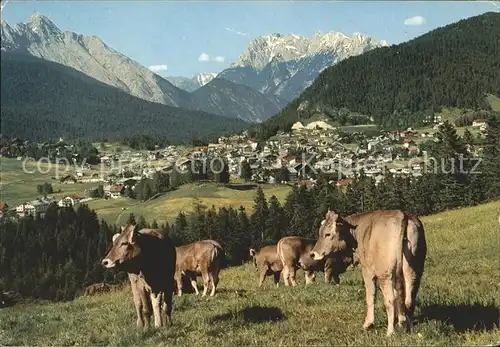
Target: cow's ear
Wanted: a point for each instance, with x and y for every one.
(123, 228)
(115, 236)
(252, 252)
(133, 235)
(323, 221)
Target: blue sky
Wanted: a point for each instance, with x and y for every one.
(188, 37)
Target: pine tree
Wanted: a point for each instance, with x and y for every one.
(246, 171)
(258, 218)
(491, 162)
(275, 223)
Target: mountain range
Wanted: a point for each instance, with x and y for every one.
(44, 100)
(41, 38)
(403, 85)
(191, 84)
(285, 65)
(277, 67)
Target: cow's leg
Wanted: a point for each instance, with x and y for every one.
(286, 275)
(167, 298)
(309, 276)
(412, 279)
(146, 307)
(387, 288)
(214, 278)
(138, 303)
(262, 277)
(206, 281)
(328, 274)
(194, 284)
(399, 303)
(370, 292)
(156, 301)
(277, 278)
(293, 273)
(178, 280)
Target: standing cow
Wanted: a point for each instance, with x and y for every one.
(391, 248)
(266, 261)
(149, 258)
(202, 257)
(295, 252)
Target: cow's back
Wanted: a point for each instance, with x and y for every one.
(268, 257)
(294, 250)
(193, 256)
(379, 236)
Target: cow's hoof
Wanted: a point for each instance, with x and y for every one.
(367, 325)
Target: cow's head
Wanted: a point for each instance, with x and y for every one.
(333, 234)
(124, 250)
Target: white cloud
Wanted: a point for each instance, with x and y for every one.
(204, 57)
(417, 20)
(219, 59)
(231, 30)
(158, 68)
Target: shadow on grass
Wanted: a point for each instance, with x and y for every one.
(252, 315)
(463, 317)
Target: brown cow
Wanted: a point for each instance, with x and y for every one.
(202, 257)
(149, 258)
(295, 252)
(266, 261)
(391, 248)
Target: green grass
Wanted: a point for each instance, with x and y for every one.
(167, 206)
(458, 304)
(494, 102)
(18, 185)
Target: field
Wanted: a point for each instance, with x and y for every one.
(18, 185)
(167, 206)
(458, 304)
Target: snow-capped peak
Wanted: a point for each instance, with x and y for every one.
(204, 78)
(263, 49)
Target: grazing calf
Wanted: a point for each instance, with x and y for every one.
(391, 248)
(266, 261)
(201, 257)
(149, 258)
(295, 252)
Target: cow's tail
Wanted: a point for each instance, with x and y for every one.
(400, 278)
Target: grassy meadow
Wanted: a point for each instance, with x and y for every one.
(457, 303)
(167, 206)
(18, 185)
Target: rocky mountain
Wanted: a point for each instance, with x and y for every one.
(191, 84)
(285, 65)
(452, 66)
(44, 100)
(241, 101)
(41, 38)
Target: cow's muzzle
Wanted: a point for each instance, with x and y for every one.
(316, 255)
(108, 263)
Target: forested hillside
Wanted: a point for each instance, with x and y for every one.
(43, 100)
(456, 66)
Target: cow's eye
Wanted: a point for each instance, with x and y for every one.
(328, 235)
(124, 244)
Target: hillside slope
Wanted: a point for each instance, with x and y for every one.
(42, 99)
(454, 66)
(229, 99)
(456, 304)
